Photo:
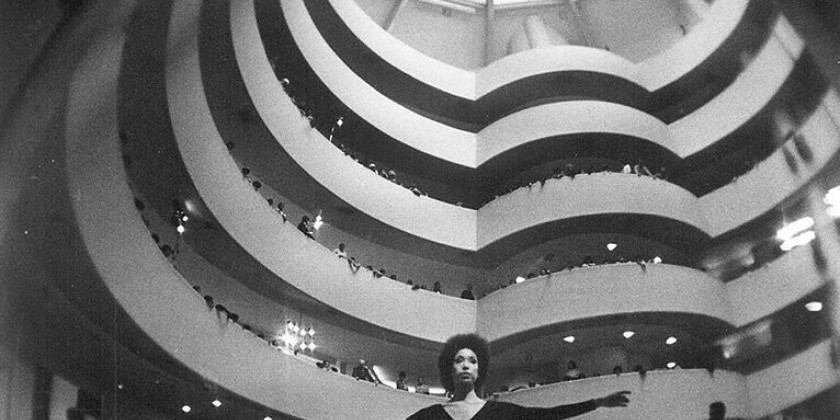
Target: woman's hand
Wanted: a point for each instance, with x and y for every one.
(616, 399)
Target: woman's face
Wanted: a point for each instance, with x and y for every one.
(465, 367)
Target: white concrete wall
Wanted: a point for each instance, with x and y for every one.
(760, 293)
(598, 291)
(772, 181)
(655, 72)
(599, 193)
(793, 380)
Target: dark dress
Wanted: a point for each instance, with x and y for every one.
(495, 410)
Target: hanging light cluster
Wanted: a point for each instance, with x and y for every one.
(296, 338)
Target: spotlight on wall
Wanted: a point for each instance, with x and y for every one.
(290, 339)
(296, 338)
(794, 228)
(832, 197)
(319, 221)
(814, 306)
(801, 239)
(569, 339)
(628, 334)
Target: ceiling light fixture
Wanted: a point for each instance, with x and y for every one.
(814, 306)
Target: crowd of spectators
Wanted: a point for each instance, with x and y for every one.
(587, 261)
(570, 171)
(331, 127)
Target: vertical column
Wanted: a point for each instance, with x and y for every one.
(537, 32)
(392, 15)
(489, 29)
(582, 24)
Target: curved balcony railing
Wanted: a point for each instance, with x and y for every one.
(128, 264)
(725, 32)
(601, 291)
(773, 180)
(782, 47)
(713, 203)
(256, 226)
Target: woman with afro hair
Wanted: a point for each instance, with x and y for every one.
(463, 364)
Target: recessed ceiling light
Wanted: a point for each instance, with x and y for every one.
(217, 403)
(612, 246)
(670, 340)
(628, 334)
(186, 409)
(814, 306)
(671, 365)
(569, 339)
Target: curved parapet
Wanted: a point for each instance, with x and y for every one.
(774, 180)
(759, 293)
(601, 292)
(257, 229)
